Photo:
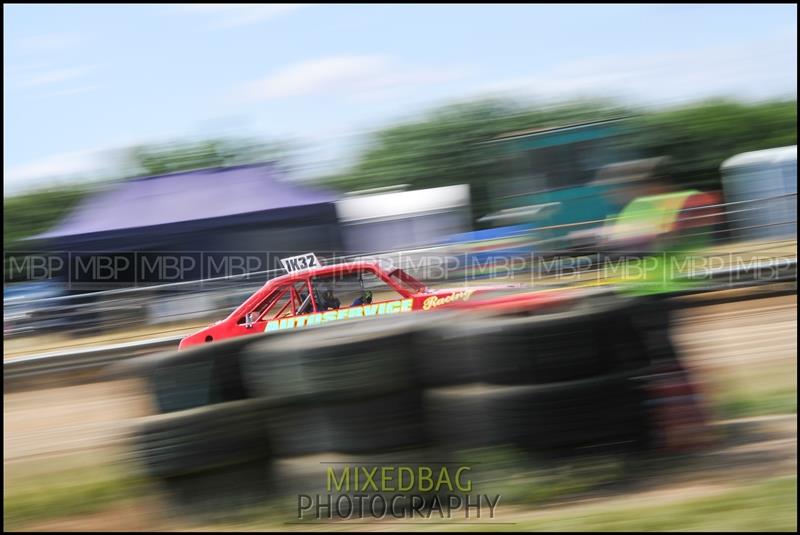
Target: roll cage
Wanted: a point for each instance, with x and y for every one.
(271, 295)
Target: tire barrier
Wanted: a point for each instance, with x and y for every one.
(205, 375)
(355, 384)
(297, 427)
(337, 363)
(563, 417)
(381, 423)
(209, 458)
(460, 417)
(552, 419)
(591, 339)
(220, 491)
(207, 437)
(549, 384)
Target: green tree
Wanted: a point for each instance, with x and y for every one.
(444, 147)
(159, 159)
(30, 213)
(700, 136)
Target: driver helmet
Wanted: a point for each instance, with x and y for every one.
(327, 292)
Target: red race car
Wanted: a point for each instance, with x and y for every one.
(313, 294)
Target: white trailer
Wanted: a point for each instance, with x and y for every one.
(763, 184)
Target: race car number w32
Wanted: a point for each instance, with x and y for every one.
(300, 262)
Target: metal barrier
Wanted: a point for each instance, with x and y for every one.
(82, 359)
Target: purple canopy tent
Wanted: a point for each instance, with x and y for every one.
(241, 209)
(201, 198)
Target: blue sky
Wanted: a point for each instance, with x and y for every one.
(83, 81)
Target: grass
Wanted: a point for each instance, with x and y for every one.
(753, 389)
(522, 480)
(68, 493)
(767, 506)
(779, 401)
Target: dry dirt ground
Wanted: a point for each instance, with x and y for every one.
(749, 345)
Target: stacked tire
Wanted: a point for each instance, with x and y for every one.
(549, 384)
(203, 375)
(208, 445)
(350, 388)
(208, 458)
